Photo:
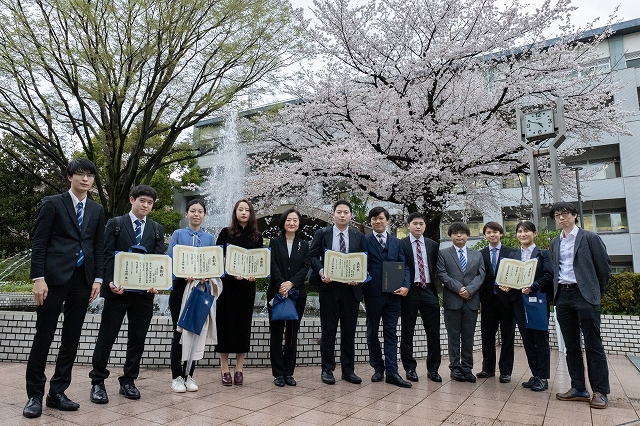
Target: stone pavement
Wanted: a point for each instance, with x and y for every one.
(259, 402)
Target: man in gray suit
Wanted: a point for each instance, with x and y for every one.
(581, 269)
(461, 271)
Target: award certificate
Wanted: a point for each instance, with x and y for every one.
(246, 263)
(198, 262)
(516, 273)
(345, 267)
(135, 271)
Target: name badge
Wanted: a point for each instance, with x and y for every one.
(533, 299)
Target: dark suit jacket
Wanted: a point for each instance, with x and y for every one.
(591, 264)
(392, 252)
(543, 279)
(57, 240)
(285, 268)
(486, 292)
(453, 279)
(432, 261)
(323, 239)
(152, 240)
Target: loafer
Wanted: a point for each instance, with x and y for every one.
(574, 395)
(483, 375)
(599, 401)
(434, 376)
(458, 376)
(290, 381)
(238, 378)
(279, 381)
(504, 378)
(130, 391)
(33, 408)
(226, 379)
(469, 377)
(395, 379)
(377, 377)
(61, 402)
(327, 378)
(412, 375)
(98, 394)
(351, 378)
(540, 385)
(529, 383)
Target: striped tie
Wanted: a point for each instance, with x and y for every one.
(343, 245)
(138, 230)
(494, 259)
(423, 275)
(463, 261)
(80, 260)
(381, 240)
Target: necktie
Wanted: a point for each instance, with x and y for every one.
(343, 245)
(423, 277)
(494, 260)
(381, 240)
(138, 230)
(463, 261)
(80, 260)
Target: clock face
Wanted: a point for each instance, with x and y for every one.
(539, 123)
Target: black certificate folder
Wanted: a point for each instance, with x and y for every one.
(392, 276)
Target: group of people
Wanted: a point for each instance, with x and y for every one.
(73, 261)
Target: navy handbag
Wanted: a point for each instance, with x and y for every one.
(535, 311)
(284, 308)
(196, 309)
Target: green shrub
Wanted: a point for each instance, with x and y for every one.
(623, 295)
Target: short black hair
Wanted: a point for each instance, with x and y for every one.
(283, 220)
(143, 190)
(528, 226)
(416, 215)
(80, 165)
(376, 212)
(197, 201)
(563, 207)
(494, 226)
(342, 203)
(456, 227)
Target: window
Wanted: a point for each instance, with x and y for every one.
(605, 222)
(516, 181)
(475, 225)
(632, 59)
(599, 169)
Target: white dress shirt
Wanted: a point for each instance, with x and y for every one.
(335, 246)
(566, 274)
(423, 250)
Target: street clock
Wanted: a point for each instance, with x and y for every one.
(539, 124)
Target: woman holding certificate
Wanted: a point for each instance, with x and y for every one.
(289, 266)
(194, 236)
(535, 341)
(235, 304)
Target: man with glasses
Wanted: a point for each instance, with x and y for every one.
(581, 269)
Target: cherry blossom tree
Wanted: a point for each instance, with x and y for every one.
(414, 103)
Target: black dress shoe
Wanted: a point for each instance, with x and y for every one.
(540, 385)
(130, 391)
(529, 383)
(351, 378)
(504, 378)
(99, 394)
(327, 378)
(61, 402)
(458, 376)
(412, 375)
(395, 379)
(469, 377)
(377, 376)
(290, 381)
(279, 381)
(33, 408)
(483, 375)
(434, 376)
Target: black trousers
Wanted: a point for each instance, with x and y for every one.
(75, 295)
(425, 302)
(178, 367)
(139, 309)
(283, 353)
(575, 314)
(338, 305)
(535, 342)
(494, 314)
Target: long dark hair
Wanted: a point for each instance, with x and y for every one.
(252, 226)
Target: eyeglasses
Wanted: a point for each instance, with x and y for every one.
(87, 175)
(558, 215)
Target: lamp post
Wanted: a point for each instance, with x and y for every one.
(577, 172)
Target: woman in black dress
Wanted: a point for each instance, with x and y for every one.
(289, 266)
(235, 304)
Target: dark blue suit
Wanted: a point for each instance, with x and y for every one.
(383, 305)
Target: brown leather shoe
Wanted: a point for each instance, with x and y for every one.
(226, 379)
(599, 401)
(573, 395)
(238, 378)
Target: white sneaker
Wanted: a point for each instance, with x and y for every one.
(178, 385)
(190, 384)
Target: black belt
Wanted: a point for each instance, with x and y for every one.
(418, 284)
(565, 286)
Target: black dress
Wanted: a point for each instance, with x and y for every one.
(234, 309)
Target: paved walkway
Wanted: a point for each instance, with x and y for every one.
(259, 402)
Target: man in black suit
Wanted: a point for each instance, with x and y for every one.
(421, 255)
(339, 302)
(66, 267)
(581, 270)
(383, 247)
(133, 230)
(497, 308)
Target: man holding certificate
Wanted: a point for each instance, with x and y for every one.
(339, 301)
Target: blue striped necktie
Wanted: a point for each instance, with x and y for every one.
(463, 261)
(80, 260)
(138, 230)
